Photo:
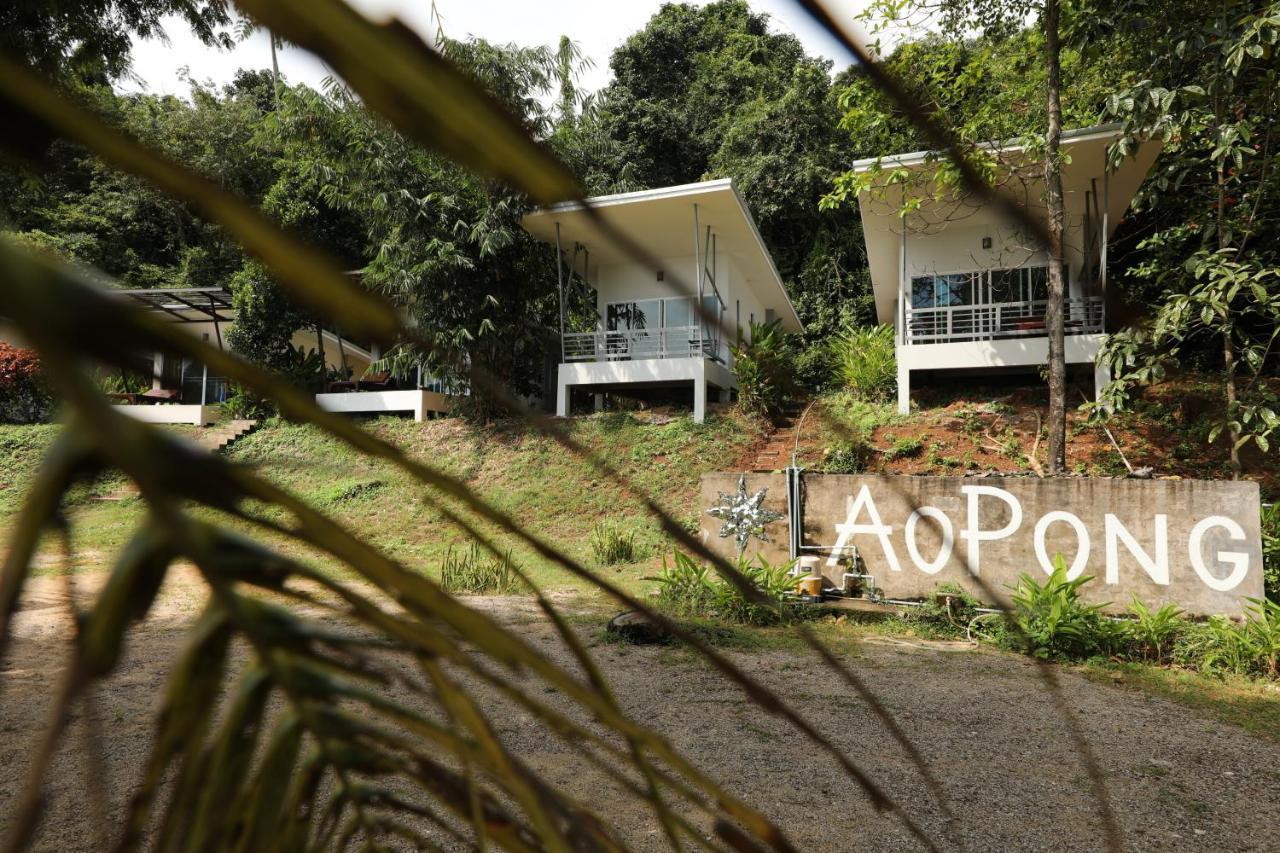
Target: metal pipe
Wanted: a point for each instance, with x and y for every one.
(560, 288)
(697, 263)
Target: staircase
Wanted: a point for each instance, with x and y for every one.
(776, 452)
(218, 438)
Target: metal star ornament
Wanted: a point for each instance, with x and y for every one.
(743, 515)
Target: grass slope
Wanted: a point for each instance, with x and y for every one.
(542, 486)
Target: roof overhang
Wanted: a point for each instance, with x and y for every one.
(1086, 150)
(183, 304)
(659, 223)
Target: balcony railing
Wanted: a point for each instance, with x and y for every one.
(637, 344)
(997, 321)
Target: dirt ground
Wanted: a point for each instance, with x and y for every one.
(983, 719)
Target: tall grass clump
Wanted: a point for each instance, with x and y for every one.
(475, 571)
(612, 546)
(865, 363)
(1271, 550)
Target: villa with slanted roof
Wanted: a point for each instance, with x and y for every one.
(644, 261)
(964, 287)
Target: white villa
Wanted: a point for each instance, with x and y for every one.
(185, 392)
(964, 288)
(641, 262)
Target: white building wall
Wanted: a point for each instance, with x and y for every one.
(957, 247)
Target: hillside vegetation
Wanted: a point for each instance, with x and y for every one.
(547, 490)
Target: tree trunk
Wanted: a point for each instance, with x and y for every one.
(275, 69)
(1053, 319)
(1228, 345)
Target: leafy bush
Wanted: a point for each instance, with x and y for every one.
(904, 448)
(478, 572)
(764, 368)
(1152, 632)
(949, 610)
(1271, 550)
(1053, 621)
(611, 546)
(691, 590)
(24, 398)
(865, 362)
(850, 457)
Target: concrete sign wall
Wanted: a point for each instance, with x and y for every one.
(1194, 543)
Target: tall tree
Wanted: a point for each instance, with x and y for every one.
(1211, 259)
(1000, 22)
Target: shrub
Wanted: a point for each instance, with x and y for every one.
(691, 590)
(611, 546)
(1271, 550)
(850, 457)
(904, 448)
(24, 398)
(764, 369)
(865, 362)
(949, 610)
(1053, 621)
(478, 572)
(1262, 633)
(1152, 632)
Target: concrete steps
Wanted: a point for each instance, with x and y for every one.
(218, 438)
(776, 452)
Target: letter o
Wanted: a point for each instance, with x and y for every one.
(1082, 540)
(1238, 559)
(948, 539)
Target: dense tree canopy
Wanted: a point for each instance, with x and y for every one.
(699, 92)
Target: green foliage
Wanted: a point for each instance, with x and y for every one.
(865, 362)
(849, 457)
(1271, 550)
(476, 571)
(24, 395)
(690, 590)
(1052, 620)
(906, 447)
(1153, 631)
(948, 611)
(611, 545)
(763, 364)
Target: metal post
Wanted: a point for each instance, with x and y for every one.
(1106, 228)
(204, 385)
(902, 284)
(217, 332)
(560, 288)
(697, 262)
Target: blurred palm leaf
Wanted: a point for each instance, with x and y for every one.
(319, 745)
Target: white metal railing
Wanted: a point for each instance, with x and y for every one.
(636, 344)
(994, 321)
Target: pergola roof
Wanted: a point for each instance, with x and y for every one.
(184, 304)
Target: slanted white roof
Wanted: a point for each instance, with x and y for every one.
(1086, 149)
(659, 222)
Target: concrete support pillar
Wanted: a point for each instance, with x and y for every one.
(725, 395)
(1101, 376)
(157, 371)
(563, 390)
(597, 402)
(699, 400)
(904, 389)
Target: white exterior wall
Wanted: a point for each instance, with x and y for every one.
(957, 248)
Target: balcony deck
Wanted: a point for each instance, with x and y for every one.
(639, 345)
(998, 321)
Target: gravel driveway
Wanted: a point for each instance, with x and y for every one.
(983, 719)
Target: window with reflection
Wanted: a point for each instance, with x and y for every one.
(629, 316)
